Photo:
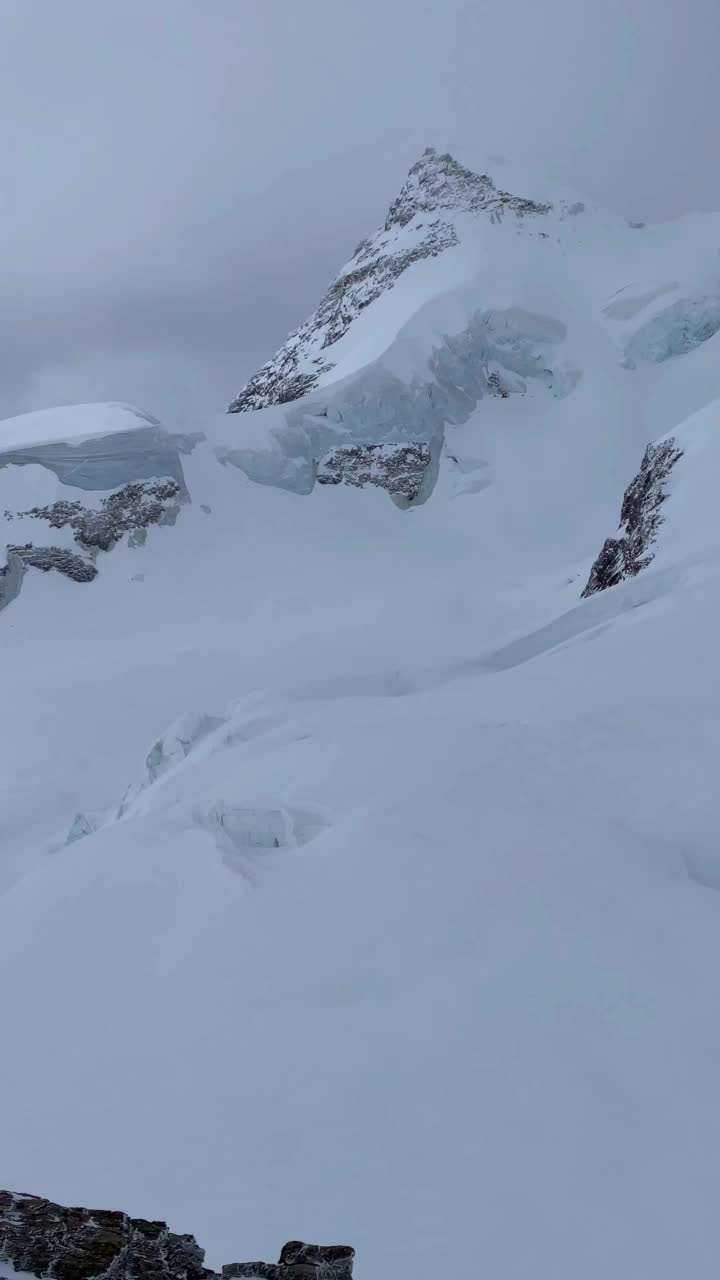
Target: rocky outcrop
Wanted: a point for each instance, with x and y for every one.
(440, 182)
(20, 558)
(370, 274)
(398, 468)
(45, 1239)
(419, 225)
(640, 518)
(298, 1261)
(59, 558)
(131, 509)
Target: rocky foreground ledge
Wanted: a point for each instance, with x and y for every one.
(46, 1239)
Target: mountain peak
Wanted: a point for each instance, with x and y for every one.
(438, 181)
(437, 187)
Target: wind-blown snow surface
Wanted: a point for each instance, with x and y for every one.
(401, 921)
(464, 1006)
(73, 424)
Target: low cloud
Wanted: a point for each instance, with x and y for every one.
(179, 181)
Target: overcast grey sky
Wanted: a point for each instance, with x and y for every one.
(179, 179)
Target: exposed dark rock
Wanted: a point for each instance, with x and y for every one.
(251, 1271)
(440, 182)
(20, 558)
(334, 1260)
(356, 289)
(437, 184)
(46, 558)
(48, 1239)
(129, 509)
(278, 381)
(298, 1261)
(398, 468)
(496, 386)
(640, 518)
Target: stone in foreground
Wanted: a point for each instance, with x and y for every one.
(45, 1239)
(298, 1261)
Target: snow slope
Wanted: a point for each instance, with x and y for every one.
(358, 880)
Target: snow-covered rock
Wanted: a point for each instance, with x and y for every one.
(398, 468)
(94, 473)
(419, 225)
(298, 1261)
(43, 1239)
(128, 510)
(469, 294)
(669, 509)
(48, 557)
(431, 906)
(640, 519)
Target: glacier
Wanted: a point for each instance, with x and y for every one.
(358, 877)
(680, 328)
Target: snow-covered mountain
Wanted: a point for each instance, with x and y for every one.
(535, 308)
(358, 870)
(438, 191)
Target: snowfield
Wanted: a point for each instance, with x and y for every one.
(358, 880)
(72, 424)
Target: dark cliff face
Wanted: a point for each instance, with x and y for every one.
(50, 1240)
(640, 519)
(436, 188)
